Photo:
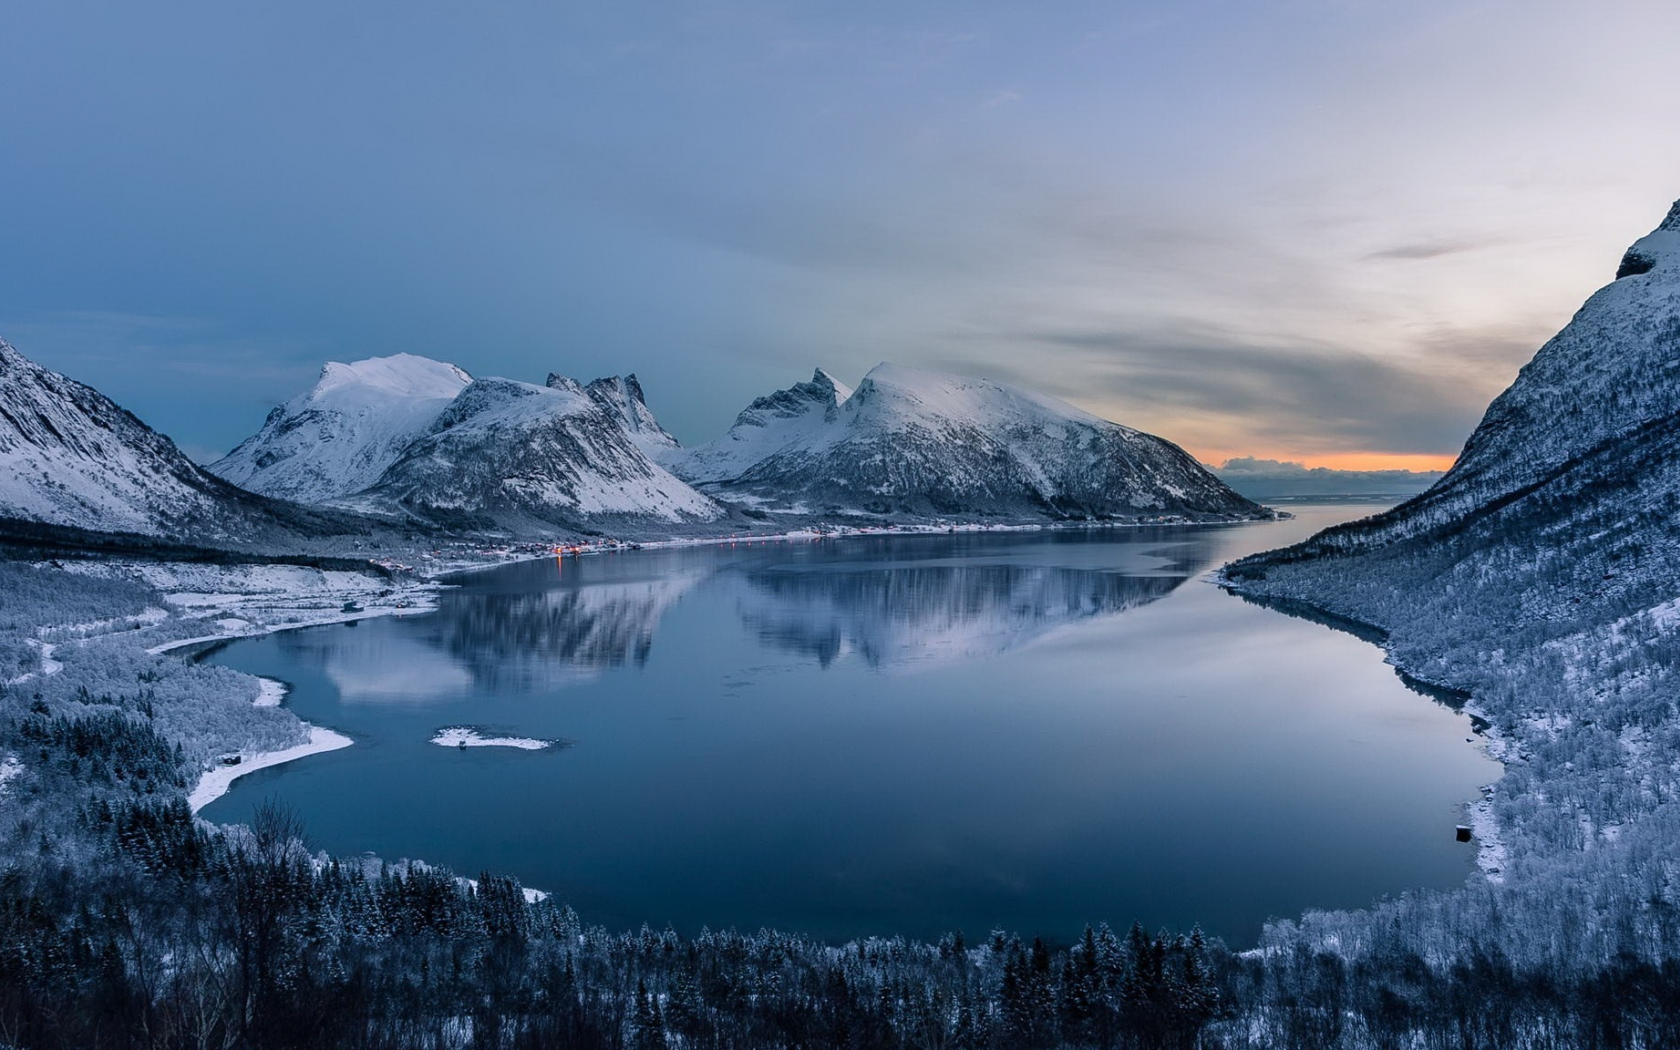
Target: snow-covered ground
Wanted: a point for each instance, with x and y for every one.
(216, 781)
(469, 736)
(531, 896)
(210, 603)
(270, 693)
(48, 664)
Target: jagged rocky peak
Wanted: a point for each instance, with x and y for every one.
(822, 390)
(622, 397)
(516, 455)
(556, 381)
(768, 424)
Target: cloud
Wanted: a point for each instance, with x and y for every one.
(1270, 479)
(1234, 390)
(1427, 250)
(1287, 470)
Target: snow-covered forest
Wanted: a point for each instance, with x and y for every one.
(126, 922)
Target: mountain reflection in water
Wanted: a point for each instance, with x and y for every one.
(883, 735)
(534, 626)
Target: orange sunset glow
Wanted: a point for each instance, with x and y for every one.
(1341, 460)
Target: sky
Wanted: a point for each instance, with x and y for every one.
(1326, 231)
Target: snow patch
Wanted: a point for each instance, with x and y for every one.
(469, 736)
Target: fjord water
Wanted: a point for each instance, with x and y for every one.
(1029, 730)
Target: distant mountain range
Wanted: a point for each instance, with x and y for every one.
(1269, 479)
(404, 442)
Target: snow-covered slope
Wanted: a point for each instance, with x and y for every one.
(1541, 573)
(71, 457)
(923, 443)
(520, 455)
(1613, 371)
(340, 436)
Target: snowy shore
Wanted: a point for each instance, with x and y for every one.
(216, 782)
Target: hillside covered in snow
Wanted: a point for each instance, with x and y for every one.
(72, 459)
(927, 444)
(1541, 575)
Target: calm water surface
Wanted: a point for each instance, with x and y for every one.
(1029, 731)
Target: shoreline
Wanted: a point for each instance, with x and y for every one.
(215, 782)
(812, 534)
(1491, 854)
(256, 630)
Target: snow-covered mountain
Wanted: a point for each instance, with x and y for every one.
(1541, 575)
(917, 443)
(71, 457)
(420, 438)
(1602, 391)
(519, 455)
(801, 414)
(622, 397)
(340, 436)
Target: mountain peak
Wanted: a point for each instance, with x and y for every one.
(1659, 248)
(1671, 223)
(341, 435)
(622, 397)
(398, 375)
(823, 379)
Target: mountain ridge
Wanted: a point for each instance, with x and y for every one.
(927, 444)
